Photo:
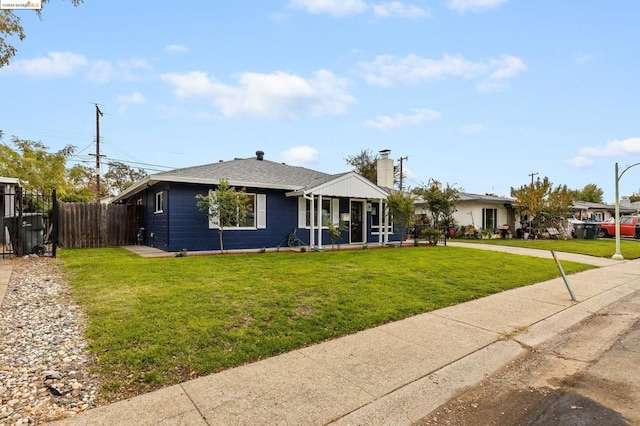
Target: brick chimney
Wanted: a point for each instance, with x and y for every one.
(260, 155)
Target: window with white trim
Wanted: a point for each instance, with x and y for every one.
(330, 212)
(489, 218)
(377, 219)
(159, 207)
(250, 219)
(256, 217)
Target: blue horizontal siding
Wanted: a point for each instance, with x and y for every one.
(183, 226)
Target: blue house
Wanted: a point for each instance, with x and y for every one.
(282, 198)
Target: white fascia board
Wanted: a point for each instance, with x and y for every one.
(133, 189)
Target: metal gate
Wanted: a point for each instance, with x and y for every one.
(29, 222)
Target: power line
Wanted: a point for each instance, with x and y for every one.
(146, 166)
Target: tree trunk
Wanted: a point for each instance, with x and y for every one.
(220, 235)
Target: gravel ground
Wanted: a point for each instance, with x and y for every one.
(44, 364)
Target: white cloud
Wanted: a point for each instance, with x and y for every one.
(100, 71)
(341, 8)
(267, 95)
(613, 148)
(300, 156)
(54, 64)
(387, 70)
(417, 116)
(67, 64)
(506, 67)
(176, 48)
(134, 63)
(133, 98)
(396, 9)
(471, 129)
(336, 8)
(463, 6)
(580, 161)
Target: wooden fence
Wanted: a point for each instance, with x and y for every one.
(94, 225)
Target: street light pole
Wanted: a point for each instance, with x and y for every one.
(617, 255)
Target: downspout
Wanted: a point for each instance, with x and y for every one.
(320, 221)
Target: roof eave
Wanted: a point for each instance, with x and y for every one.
(154, 179)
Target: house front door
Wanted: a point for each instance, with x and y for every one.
(357, 222)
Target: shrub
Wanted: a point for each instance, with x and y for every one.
(432, 235)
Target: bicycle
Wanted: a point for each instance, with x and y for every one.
(292, 240)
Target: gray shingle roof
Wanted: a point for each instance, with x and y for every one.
(466, 196)
(251, 170)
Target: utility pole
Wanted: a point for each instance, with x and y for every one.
(532, 175)
(401, 159)
(97, 154)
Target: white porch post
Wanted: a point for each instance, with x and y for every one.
(312, 239)
(320, 221)
(380, 219)
(386, 225)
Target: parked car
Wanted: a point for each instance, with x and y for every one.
(629, 227)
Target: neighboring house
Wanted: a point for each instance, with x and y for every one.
(283, 199)
(486, 211)
(481, 211)
(597, 212)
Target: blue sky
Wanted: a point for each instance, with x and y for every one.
(479, 94)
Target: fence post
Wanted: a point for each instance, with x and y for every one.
(54, 222)
(19, 236)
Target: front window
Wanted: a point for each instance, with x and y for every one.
(256, 217)
(250, 219)
(326, 212)
(489, 218)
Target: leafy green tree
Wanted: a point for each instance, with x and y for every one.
(120, 176)
(365, 163)
(590, 193)
(542, 203)
(10, 27)
(403, 211)
(81, 181)
(225, 207)
(559, 201)
(439, 202)
(34, 165)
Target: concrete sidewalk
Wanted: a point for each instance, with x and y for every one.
(393, 374)
(6, 268)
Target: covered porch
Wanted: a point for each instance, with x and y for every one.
(358, 205)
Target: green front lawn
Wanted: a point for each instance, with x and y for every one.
(602, 247)
(155, 322)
